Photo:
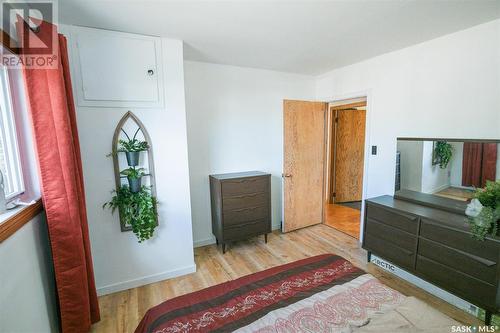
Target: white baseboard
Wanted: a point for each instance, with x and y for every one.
(211, 240)
(204, 242)
(439, 188)
(113, 288)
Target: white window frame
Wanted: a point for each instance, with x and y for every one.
(9, 138)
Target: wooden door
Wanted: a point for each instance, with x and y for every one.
(349, 155)
(303, 163)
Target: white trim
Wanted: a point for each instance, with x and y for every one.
(204, 242)
(9, 139)
(112, 288)
(440, 188)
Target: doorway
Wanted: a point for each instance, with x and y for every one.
(346, 124)
(323, 164)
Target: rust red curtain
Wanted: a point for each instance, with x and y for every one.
(489, 164)
(52, 113)
(479, 163)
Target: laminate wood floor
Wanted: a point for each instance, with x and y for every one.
(122, 311)
(456, 193)
(343, 218)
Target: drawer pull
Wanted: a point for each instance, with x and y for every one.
(246, 195)
(246, 208)
(241, 225)
(408, 253)
(251, 180)
(485, 262)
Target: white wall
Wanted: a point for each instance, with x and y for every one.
(411, 164)
(235, 123)
(456, 164)
(120, 262)
(434, 179)
(27, 292)
(447, 87)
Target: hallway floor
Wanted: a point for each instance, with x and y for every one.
(343, 218)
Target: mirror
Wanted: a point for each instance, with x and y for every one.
(446, 168)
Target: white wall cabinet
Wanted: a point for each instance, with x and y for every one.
(117, 69)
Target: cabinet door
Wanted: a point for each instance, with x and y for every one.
(117, 69)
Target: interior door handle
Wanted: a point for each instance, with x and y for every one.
(286, 175)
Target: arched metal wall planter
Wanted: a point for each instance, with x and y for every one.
(116, 157)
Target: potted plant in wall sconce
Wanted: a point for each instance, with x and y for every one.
(134, 177)
(132, 147)
(137, 210)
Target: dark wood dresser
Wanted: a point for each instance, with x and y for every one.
(430, 238)
(241, 206)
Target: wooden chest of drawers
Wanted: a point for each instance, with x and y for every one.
(435, 245)
(241, 205)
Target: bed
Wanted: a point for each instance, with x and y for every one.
(324, 293)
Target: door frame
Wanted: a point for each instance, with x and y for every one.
(331, 145)
(338, 98)
(333, 99)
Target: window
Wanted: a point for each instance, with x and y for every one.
(10, 163)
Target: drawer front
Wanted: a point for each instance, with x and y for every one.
(405, 222)
(246, 200)
(388, 250)
(240, 215)
(247, 229)
(248, 185)
(459, 240)
(391, 234)
(471, 265)
(464, 286)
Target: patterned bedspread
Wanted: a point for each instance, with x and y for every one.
(325, 293)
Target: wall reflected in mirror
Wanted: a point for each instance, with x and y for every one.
(451, 169)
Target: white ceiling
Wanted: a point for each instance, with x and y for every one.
(308, 37)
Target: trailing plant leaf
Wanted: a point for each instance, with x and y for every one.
(483, 224)
(136, 209)
(443, 152)
(489, 196)
(133, 173)
(484, 210)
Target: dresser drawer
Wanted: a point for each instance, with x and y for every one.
(459, 240)
(462, 285)
(247, 229)
(405, 222)
(245, 186)
(237, 216)
(390, 251)
(472, 265)
(246, 200)
(390, 234)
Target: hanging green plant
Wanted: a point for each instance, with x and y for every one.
(131, 147)
(136, 209)
(442, 153)
(484, 211)
(134, 176)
